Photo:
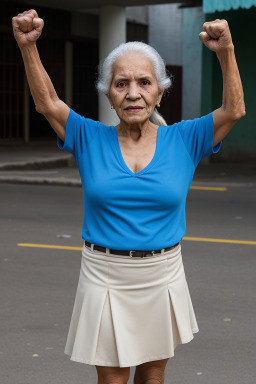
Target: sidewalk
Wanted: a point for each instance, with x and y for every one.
(37, 163)
(44, 163)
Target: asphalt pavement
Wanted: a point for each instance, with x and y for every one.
(38, 284)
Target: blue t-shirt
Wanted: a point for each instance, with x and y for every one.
(136, 211)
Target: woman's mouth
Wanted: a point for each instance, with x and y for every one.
(133, 109)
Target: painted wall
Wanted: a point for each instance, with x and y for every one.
(85, 24)
(137, 14)
(165, 32)
(240, 144)
(173, 31)
(193, 19)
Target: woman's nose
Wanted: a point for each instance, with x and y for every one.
(133, 92)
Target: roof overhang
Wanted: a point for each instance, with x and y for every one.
(211, 6)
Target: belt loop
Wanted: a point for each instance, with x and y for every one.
(92, 247)
(107, 251)
(162, 251)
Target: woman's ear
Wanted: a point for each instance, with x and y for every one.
(110, 102)
(160, 95)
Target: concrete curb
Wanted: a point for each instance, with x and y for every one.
(77, 182)
(40, 181)
(54, 162)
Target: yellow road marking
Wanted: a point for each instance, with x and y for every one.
(222, 189)
(49, 246)
(228, 241)
(186, 238)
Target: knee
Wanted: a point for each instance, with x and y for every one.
(113, 380)
(113, 376)
(151, 372)
(153, 378)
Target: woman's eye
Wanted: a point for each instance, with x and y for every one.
(121, 84)
(145, 82)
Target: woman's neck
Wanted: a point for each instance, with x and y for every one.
(136, 131)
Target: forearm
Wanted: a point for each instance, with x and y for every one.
(233, 95)
(41, 87)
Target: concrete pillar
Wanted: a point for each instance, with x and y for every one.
(112, 33)
(69, 73)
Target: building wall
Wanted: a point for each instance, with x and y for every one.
(165, 35)
(69, 51)
(240, 144)
(165, 32)
(85, 24)
(137, 14)
(173, 31)
(137, 24)
(193, 19)
(17, 112)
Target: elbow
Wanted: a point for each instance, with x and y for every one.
(39, 109)
(240, 113)
(44, 109)
(243, 112)
(240, 110)
(236, 114)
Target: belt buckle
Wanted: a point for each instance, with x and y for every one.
(131, 253)
(132, 256)
(150, 253)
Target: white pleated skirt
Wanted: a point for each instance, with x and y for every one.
(129, 311)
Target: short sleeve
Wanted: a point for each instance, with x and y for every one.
(197, 135)
(78, 134)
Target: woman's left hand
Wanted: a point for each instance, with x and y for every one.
(216, 35)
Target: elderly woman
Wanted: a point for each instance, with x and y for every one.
(132, 305)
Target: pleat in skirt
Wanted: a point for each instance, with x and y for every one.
(129, 311)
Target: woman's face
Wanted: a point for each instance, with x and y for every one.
(134, 91)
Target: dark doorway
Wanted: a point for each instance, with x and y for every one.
(52, 53)
(85, 64)
(85, 100)
(171, 104)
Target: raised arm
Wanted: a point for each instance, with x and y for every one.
(217, 37)
(27, 28)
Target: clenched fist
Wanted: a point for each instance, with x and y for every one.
(27, 27)
(216, 35)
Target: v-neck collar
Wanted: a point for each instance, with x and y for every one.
(121, 159)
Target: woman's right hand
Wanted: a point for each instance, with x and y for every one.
(27, 27)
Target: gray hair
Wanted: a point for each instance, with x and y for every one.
(106, 70)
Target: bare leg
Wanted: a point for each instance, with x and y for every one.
(151, 372)
(112, 375)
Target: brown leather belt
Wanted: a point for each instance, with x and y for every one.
(130, 253)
